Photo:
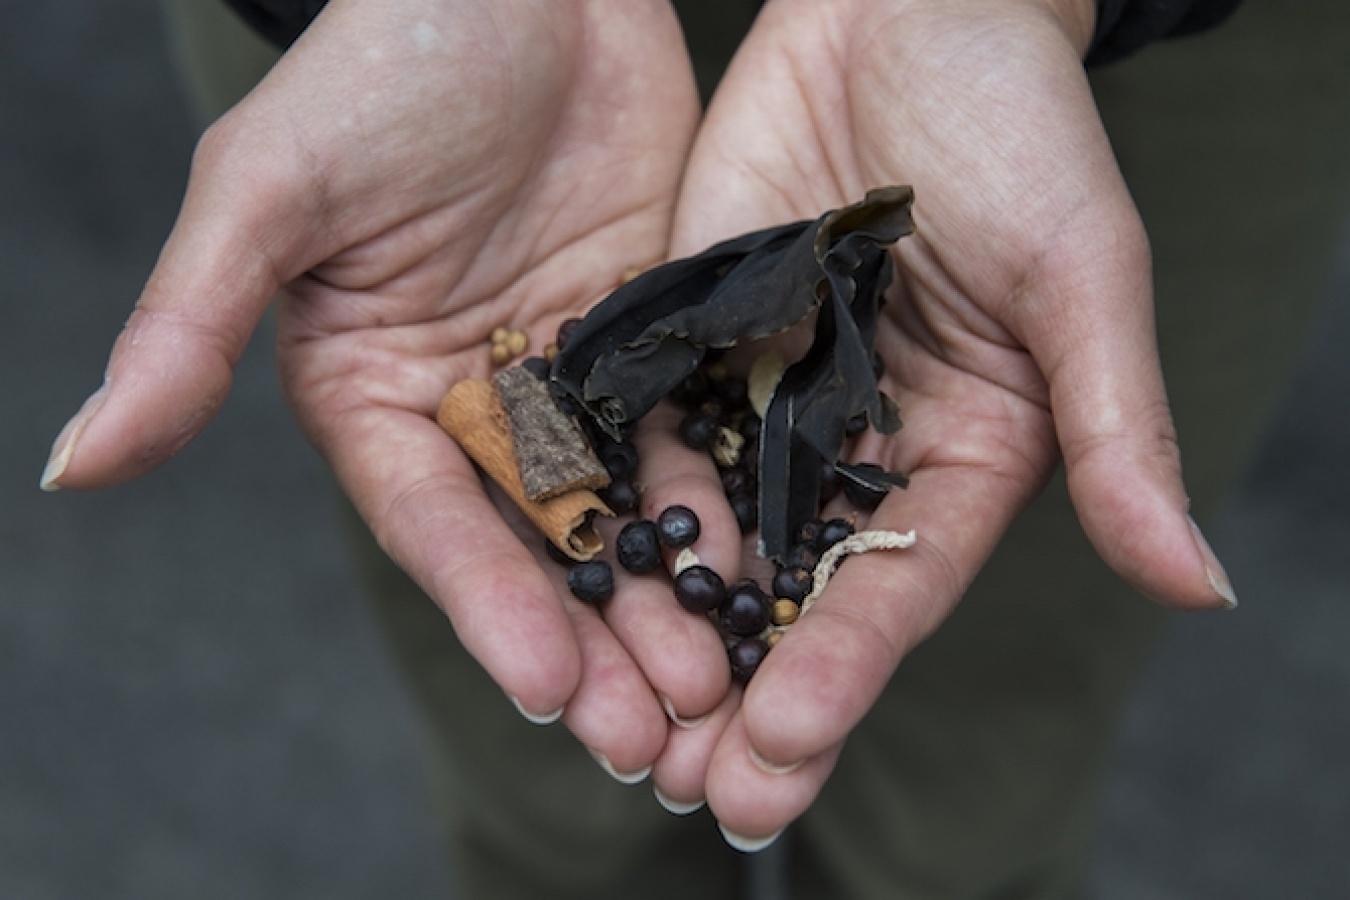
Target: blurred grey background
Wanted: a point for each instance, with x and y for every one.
(194, 702)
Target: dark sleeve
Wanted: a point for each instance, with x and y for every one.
(279, 21)
(1124, 26)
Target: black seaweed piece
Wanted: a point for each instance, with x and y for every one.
(647, 336)
(807, 418)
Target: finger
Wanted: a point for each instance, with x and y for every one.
(819, 680)
(681, 771)
(679, 651)
(754, 801)
(613, 711)
(429, 511)
(1090, 327)
(171, 367)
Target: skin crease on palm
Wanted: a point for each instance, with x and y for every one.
(413, 174)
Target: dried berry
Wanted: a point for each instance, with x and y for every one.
(792, 584)
(746, 511)
(831, 533)
(699, 589)
(698, 430)
(621, 496)
(565, 331)
(619, 459)
(591, 582)
(750, 427)
(536, 366)
(830, 483)
(809, 531)
(637, 548)
(745, 657)
(691, 391)
(785, 612)
(737, 480)
(746, 609)
(677, 527)
(733, 392)
(802, 556)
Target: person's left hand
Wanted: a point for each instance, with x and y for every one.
(1020, 330)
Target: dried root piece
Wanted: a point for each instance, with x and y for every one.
(553, 456)
(862, 542)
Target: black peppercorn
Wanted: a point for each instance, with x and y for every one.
(621, 496)
(746, 609)
(698, 430)
(565, 331)
(677, 527)
(637, 547)
(746, 510)
(591, 582)
(792, 584)
(831, 533)
(619, 459)
(699, 589)
(745, 656)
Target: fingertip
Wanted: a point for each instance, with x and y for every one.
(63, 448)
(1140, 527)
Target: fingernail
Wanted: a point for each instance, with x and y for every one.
(536, 719)
(745, 844)
(63, 448)
(772, 768)
(674, 717)
(675, 807)
(1214, 571)
(621, 777)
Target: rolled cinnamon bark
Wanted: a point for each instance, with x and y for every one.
(473, 415)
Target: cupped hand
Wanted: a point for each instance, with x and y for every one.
(411, 175)
(1020, 333)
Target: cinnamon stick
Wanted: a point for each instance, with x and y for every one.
(473, 415)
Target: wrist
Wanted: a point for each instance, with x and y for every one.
(1077, 19)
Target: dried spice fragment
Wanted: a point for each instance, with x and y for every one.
(553, 456)
(648, 339)
(472, 414)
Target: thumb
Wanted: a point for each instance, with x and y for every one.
(172, 365)
(1093, 336)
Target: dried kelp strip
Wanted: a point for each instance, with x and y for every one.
(834, 381)
(650, 334)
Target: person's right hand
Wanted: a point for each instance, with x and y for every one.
(410, 175)
(1019, 334)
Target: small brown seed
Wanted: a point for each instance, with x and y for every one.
(551, 352)
(516, 342)
(501, 354)
(785, 612)
(774, 637)
(499, 334)
(629, 274)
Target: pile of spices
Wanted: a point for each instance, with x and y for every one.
(776, 435)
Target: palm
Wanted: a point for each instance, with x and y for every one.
(1019, 206)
